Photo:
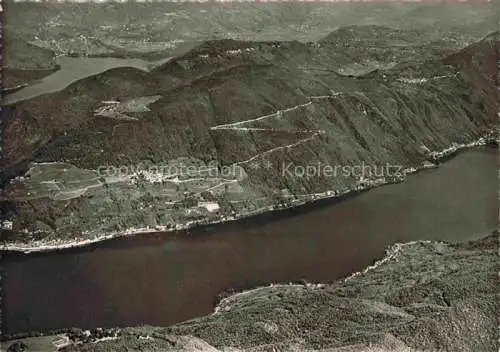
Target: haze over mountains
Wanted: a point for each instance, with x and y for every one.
(160, 29)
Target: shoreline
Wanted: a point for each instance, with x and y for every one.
(391, 254)
(331, 195)
(224, 305)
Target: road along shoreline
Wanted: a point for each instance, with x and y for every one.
(40, 247)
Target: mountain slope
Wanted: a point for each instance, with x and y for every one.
(423, 296)
(243, 110)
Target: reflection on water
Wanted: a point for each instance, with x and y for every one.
(161, 280)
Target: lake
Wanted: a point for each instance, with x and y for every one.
(161, 279)
(72, 70)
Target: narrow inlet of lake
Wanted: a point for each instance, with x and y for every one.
(71, 71)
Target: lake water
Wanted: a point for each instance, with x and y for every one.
(72, 70)
(163, 279)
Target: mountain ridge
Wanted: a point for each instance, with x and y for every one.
(251, 110)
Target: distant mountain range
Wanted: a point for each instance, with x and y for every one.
(151, 29)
